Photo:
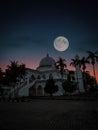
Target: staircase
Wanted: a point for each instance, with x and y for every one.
(25, 90)
(21, 90)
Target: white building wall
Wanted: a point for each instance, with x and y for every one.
(60, 88)
(80, 79)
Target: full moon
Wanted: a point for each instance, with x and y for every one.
(61, 43)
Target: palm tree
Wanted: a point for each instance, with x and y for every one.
(76, 62)
(93, 58)
(60, 65)
(83, 62)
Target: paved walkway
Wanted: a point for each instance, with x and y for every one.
(49, 115)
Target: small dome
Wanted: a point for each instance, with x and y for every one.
(47, 61)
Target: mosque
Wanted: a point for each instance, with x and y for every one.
(36, 79)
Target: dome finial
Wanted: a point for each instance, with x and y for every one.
(47, 61)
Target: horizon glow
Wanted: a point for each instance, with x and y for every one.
(34, 64)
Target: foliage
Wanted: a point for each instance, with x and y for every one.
(14, 73)
(1, 81)
(69, 86)
(83, 62)
(75, 62)
(79, 61)
(89, 82)
(93, 58)
(60, 65)
(1, 76)
(50, 86)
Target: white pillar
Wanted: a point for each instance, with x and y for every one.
(80, 79)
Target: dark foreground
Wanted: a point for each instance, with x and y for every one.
(49, 115)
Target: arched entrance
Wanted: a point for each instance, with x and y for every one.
(32, 91)
(39, 91)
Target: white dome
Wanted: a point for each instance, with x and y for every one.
(47, 61)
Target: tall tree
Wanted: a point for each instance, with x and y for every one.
(93, 58)
(83, 62)
(14, 72)
(60, 65)
(89, 82)
(50, 86)
(76, 62)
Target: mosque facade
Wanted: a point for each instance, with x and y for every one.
(36, 79)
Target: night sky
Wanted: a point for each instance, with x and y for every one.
(28, 29)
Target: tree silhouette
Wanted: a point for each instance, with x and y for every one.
(15, 72)
(93, 58)
(50, 86)
(1, 81)
(22, 71)
(12, 72)
(76, 62)
(69, 86)
(60, 65)
(89, 82)
(1, 76)
(83, 62)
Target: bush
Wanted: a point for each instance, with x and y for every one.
(69, 86)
